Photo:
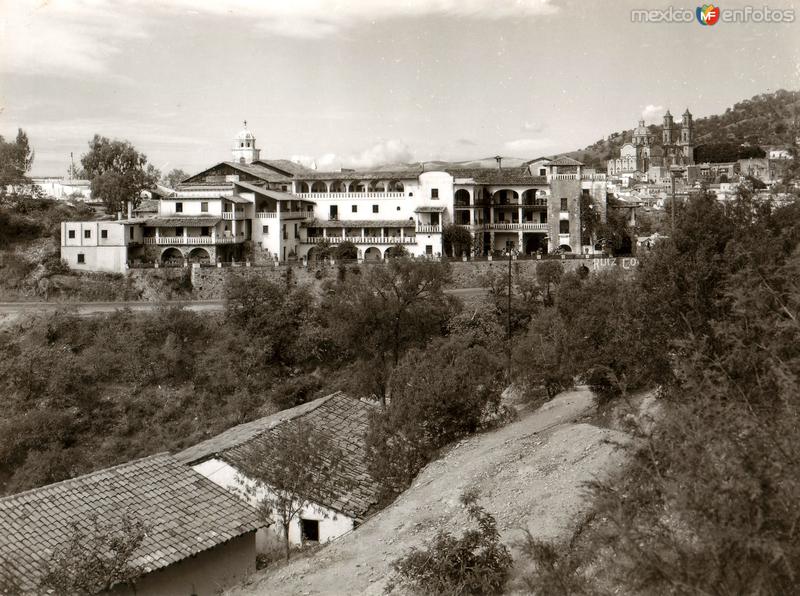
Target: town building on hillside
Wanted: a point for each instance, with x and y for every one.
(199, 538)
(275, 210)
(344, 420)
(644, 153)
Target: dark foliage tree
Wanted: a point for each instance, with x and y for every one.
(615, 234)
(97, 560)
(457, 240)
(118, 172)
(590, 220)
(345, 251)
(173, 177)
(16, 159)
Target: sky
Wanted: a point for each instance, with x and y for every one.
(364, 82)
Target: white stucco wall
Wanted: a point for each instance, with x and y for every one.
(331, 523)
(108, 254)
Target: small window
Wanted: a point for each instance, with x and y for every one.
(434, 193)
(179, 231)
(204, 207)
(71, 234)
(265, 229)
(374, 208)
(563, 226)
(428, 249)
(81, 258)
(87, 233)
(542, 172)
(354, 208)
(131, 232)
(284, 188)
(104, 233)
(204, 231)
(310, 528)
(398, 207)
(178, 207)
(564, 206)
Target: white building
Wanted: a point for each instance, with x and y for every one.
(268, 210)
(344, 420)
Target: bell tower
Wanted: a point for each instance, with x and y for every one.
(244, 147)
(687, 137)
(669, 125)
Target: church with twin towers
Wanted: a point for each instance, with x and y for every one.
(645, 153)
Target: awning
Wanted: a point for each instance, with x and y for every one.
(183, 222)
(429, 209)
(239, 200)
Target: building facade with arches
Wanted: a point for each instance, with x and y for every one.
(276, 210)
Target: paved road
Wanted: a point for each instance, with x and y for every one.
(88, 308)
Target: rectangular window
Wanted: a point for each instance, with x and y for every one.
(204, 207)
(178, 207)
(71, 234)
(285, 236)
(428, 249)
(434, 193)
(374, 208)
(354, 208)
(563, 226)
(204, 231)
(564, 205)
(87, 233)
(297, 231)
(265, 229)
(81, 258)
(131, 232)
(179, 231)
(333, 212)
(310, 528)
(542, 172)
(434, 219)
(104, 233)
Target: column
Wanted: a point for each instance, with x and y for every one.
(520, 213)
(185, 235)
(520, 248)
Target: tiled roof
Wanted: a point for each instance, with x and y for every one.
(409, 174)
(429, 209)
(273, 194)
(344, 420)
(359, 223)
(238, 199)
(187, 221)
(261, 172)
(565, 161)
(185, 514)
(237, 435)
(284, 165)
(516, 176)
(147, 206)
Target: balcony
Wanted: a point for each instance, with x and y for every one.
(230, 215)
(512, 227)
(350, 195)
(266, 215)
(191, 240)
(361, 239)
(429, 229)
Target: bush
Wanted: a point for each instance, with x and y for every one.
(475, 563)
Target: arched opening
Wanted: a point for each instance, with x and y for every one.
(535, 244)
(312, 255)
(319, 186)
(338, 186)
(529, 197)
(358, 186)
(303, 187)
(377, 186)
(199, 255)
(461, 198)
(565, 248)
(505, 196)
(395, 186)
(172, 256)
(372, 254)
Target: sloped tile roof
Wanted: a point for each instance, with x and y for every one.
(344, 420)
(359, 223)
(565, 161)
(284, 165)
(409, 174)
(273, 194)
(516, 176)
(186, 221)
(185, 514)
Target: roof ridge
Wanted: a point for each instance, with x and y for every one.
(86, 475)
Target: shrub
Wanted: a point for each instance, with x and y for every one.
(475, 563)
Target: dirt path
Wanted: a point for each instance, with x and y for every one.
(530, 474)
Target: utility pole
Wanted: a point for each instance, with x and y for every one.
(508, 249)
(672, 206)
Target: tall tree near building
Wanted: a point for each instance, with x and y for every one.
(118, 172)
(296, 467)
(173, 177)
(16, 160)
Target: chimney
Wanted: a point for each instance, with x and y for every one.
(130, 210)
(499, 161)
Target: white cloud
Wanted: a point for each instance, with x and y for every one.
(528, 145)
(532, 127)
(382, 153)
(651, 113)
(79, 36)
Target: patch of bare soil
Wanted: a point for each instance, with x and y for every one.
(530, 474)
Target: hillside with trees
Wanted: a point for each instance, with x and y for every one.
(766, 119)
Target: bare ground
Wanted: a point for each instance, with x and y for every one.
(530, 474)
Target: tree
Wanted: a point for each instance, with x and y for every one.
(590, 220)
(345, 251)
(377, 316)
(16, 160)
(97, 560)
(294, 468)
(118, 172)
(457, 240)
(615, 234)
(397, 251)
(173, 177)
(475, 563)
(549, 274)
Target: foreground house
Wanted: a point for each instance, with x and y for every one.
(274, 210)
(200, 539)
(344, 420)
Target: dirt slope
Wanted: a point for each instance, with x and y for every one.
(529, 473)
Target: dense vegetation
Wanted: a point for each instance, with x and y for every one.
(766, 119)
